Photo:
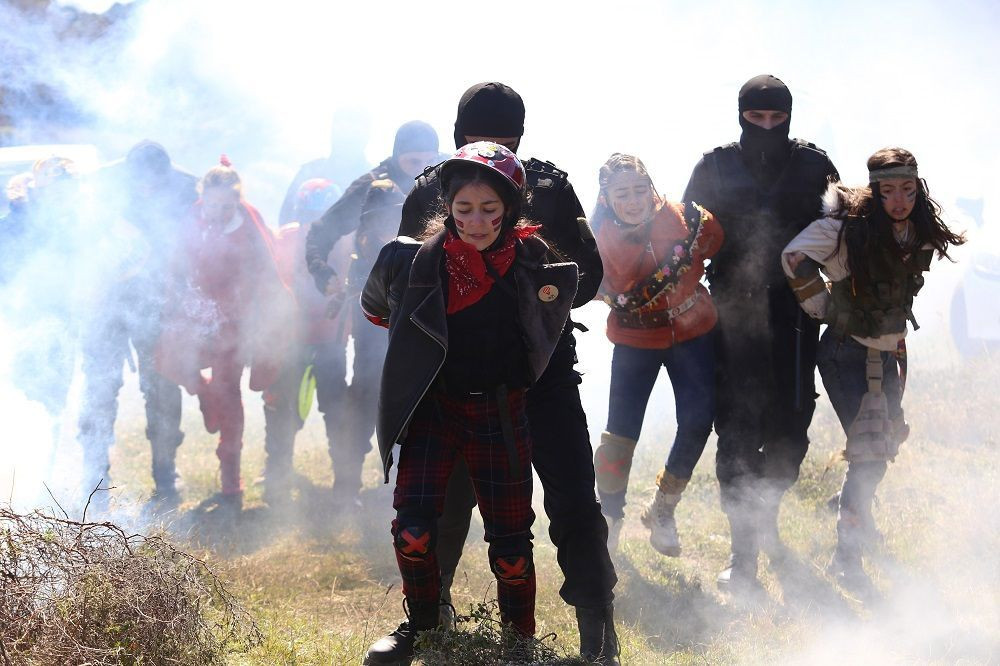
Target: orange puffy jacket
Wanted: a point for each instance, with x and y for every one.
(631, 256)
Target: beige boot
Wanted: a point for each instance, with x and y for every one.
(659, 515)
(614, 533)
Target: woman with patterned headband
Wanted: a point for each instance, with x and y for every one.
(873, 245)
(654, 253)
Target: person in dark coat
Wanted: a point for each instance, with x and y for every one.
(763, 190)
(143, 200)
(562, 455)
(415, 146)
(474, 314)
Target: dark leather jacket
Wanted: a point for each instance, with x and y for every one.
(405, 292)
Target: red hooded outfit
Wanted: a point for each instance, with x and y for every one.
(228, 310)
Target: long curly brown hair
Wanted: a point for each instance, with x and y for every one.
(868, 228)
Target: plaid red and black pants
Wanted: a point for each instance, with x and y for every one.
(471, 426)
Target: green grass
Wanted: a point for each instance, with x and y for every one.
(323, 584)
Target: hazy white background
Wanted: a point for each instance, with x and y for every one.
(260, 82)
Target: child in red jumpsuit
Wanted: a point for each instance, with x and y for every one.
(228, 304)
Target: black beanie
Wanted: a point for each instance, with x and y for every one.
(489, 109)
(766, 93)
(148, 158)
(415, 136)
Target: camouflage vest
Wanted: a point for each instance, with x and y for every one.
(883, 305)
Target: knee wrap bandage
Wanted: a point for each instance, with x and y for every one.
(613, 461)
(513, 569)
(414, 542)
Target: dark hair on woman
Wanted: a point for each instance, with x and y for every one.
(620, 163)
(868, 228)
(468, 173)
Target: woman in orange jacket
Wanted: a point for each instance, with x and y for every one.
(661, 316)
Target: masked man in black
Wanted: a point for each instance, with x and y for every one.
(763, 190)
(562, 455)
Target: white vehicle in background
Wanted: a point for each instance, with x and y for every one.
(15, 160)
(975, 306)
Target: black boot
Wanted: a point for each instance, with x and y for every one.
(278, 482)
(740, 575)
(396, 649)
(598, 639)
(165, 497)
(846, 568)
(767, 523)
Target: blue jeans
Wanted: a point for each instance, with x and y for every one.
(691, 367)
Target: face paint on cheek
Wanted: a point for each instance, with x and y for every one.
(459, 224)
(497, 222)
(911, 196)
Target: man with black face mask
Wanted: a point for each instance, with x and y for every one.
(562, 455)
(763, 190)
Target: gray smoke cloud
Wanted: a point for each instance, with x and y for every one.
(261, 83)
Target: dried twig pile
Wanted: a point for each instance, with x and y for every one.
(82, 592)
(484, 641)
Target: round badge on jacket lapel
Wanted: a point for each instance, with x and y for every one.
(548, 293)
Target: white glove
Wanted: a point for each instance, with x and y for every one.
(817, 304)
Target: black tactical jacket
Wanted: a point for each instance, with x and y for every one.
(758, 220)
(343, 217)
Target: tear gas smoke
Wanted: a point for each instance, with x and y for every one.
(659, 80)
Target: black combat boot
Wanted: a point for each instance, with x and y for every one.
(165, 497)
(767, 525)
(598, 639)
(740, 575)
(396, 649)
(846, 565)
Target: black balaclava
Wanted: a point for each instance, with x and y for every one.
(765, 149)
(489, 109)
(415, 136)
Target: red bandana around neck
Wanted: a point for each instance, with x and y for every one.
(468, 280)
